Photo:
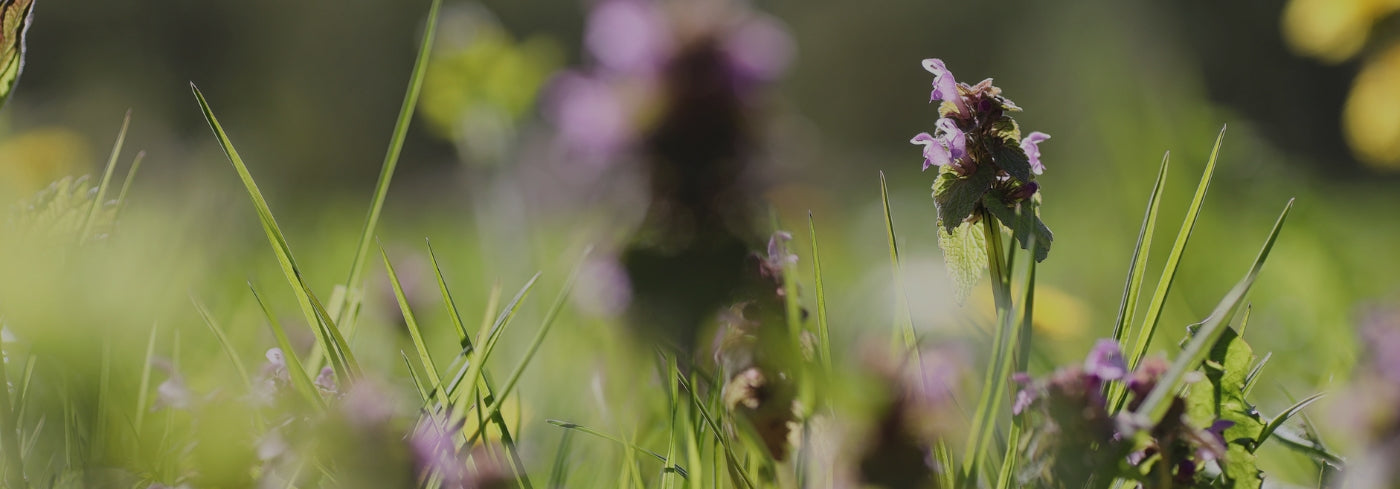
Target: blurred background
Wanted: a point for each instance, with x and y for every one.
(1309, 89)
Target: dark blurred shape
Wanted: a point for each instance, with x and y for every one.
(676, 88)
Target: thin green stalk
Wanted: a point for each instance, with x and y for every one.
(998, 374)
(106, 180)
(823, 332)
(345, 315)
(9, 440)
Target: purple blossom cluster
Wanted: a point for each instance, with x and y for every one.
(601, 112)
(1078, 437)
(970, 112)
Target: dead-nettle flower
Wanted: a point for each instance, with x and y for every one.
(920, 411)
(1077, 435)
(985, 167)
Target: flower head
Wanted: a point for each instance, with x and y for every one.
(945, 87)
(1105, 361)
(1031, 145)
(948, 148)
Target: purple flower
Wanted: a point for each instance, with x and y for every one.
(326, 379)
(947, 148)
(945, 88)
(1105, 361)
(628, 36)
(1031, 145)
(759, 49)
(591, 116)
(435, 453)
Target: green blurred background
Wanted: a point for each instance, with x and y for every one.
(309, 91)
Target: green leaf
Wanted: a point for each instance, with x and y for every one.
(957, 197)
(1221, 397)
(1164, 284)
(1008, 155)
(1154, 407)
(1283, 417)
(1024, 224)
(14, 23)
(965, 257)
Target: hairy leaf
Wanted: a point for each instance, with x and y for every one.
(1023, 225)
(14, 22)
(965, 256)
(957, 196)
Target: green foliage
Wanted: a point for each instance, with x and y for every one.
(14, 24)
(1221, 396)
(957, 196)
(965, 256)
(1026, 226)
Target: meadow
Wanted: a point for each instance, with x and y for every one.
(632, 280)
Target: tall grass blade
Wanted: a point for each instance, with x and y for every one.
(326, 334)
(223, 341)
(300, 381)
(1132, 290)
(1164, 284)
(509, 386)
(1283, 417)
(126, 182)
(904, 321)
(429, 368)
(346, 313)
(984, 419)
(485, 344)
(823, 332)
(143, 395)
(97, 201)
(1155, 405)
(590, 431)
(462, 337)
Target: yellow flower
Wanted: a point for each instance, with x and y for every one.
(1372, 114)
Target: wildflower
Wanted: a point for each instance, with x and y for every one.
(945, 87)
(949, 148)
(628, 36)
(920, 412)
(325, 380)
(1105, 361)
(1031, 145)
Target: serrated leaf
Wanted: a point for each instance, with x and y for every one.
(1221, 397)
(965, 257)
(1008, 155)
(957, 197)
(14, 23)
(1023, 225)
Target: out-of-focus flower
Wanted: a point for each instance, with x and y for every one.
(1031, 145)
(1333, 30)
(1367, 410)
(39, 156)
(1105, 361)
(920, 411)
(759, 49)
(1372, 114)
(628, 36)
(593, 119)
(482, 82)
(609, 290)
(326, 380)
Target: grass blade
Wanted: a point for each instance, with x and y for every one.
(1283, 417)
(96, 206)
(1164, 284)
(143, 395)
(584, 429)
(534, 346)
(126, 183)
(486, 342)
(1132, 290)
(326, 334)
(410, 322)
(462, 337)
(904, 321)
(823, 333)
(295, 371)
(346, 313)
(223, 341)
(984, 419)
(1157, 401)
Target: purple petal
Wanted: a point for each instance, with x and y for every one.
(1024, 399)
(952, 137)
(589, 114)
(945, 87)
(1031, 145)
(936, 153)
(628, 36)
(759, 49)
(1105, 361)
